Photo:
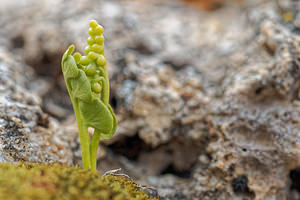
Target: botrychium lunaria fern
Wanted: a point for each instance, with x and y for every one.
(88, 86)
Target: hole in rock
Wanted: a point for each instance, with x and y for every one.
(240, 186)
(130, 147)
(259, 90)
(113, 102)
(175, 158)
(17, 42)
(170, 169)
(295, 179)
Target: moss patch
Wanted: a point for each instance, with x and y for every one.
(34, 181)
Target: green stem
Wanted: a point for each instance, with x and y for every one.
(84, 139)
(82, 131)
(93, 149)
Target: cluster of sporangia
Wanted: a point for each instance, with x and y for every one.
(93, 63)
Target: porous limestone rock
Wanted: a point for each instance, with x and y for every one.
(26, 132)
(210, 98)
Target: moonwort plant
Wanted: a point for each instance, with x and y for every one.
(88, 86)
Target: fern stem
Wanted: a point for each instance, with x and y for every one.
(93, 149)
(84, 139)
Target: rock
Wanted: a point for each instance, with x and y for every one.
(255, 123)
(26, 132)
(207, 102)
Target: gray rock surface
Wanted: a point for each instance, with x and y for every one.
(207, 102)
(26, 132)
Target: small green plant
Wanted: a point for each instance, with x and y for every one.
(88, 86)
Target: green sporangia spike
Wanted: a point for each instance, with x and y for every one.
(88, 86)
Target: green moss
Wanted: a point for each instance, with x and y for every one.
(55, 182)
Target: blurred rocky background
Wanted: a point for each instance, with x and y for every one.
(206, 92)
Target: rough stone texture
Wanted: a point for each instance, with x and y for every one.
(207, 102)
(256, 122)
(26, 133)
